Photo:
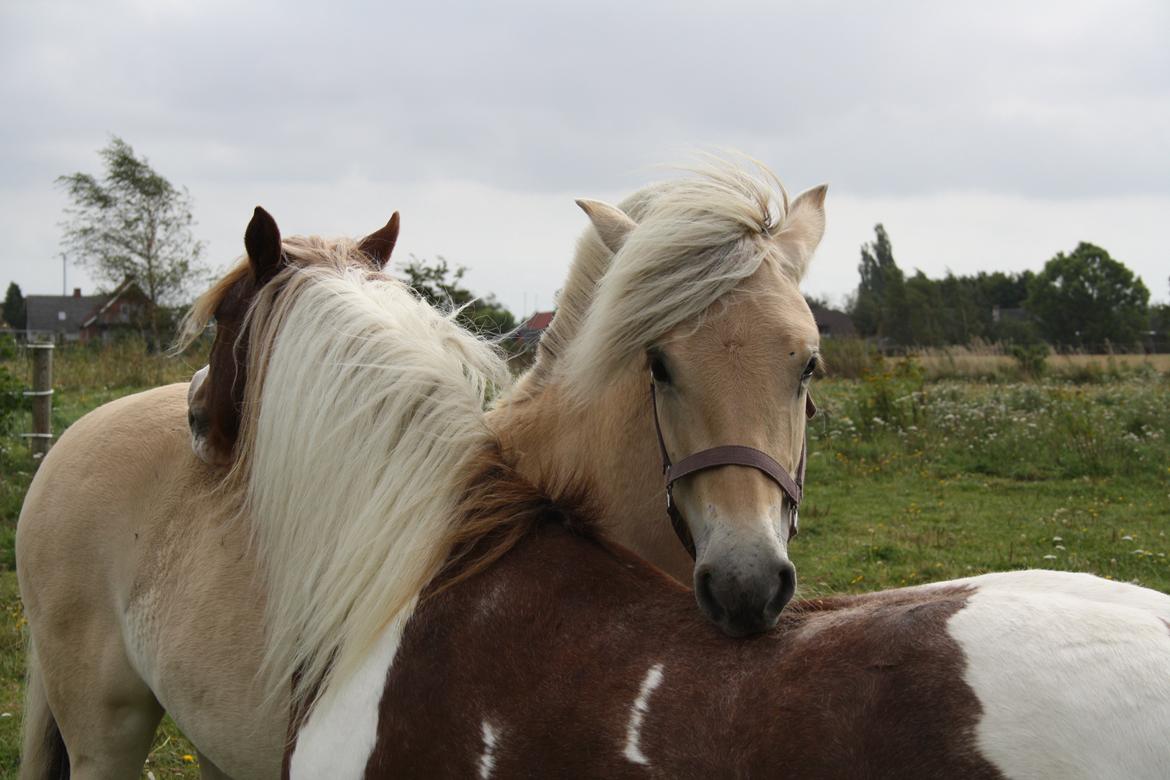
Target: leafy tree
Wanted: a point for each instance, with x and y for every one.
(817, 301)
(133, 223)
(1160, 325)
(441, 286)
(1088, 299)
(924, 312)
(879, 306)
(14, 312)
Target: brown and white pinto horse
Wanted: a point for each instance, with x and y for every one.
(215, 407)
(571, 658)
(535, 648)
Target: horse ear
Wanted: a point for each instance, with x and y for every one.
(380, 244)
(610, 222)
(262, 242)
(804, 227)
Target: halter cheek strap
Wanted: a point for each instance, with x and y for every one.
(728, 455)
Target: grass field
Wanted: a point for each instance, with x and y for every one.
(911, 479)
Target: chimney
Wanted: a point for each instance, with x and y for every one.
(76, 292)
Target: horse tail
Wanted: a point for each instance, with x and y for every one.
(43, 755)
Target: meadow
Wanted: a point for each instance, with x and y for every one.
(921, 469)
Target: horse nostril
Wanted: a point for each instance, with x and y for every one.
(787, 577)
(705, 595)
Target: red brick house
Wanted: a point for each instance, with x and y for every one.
(87, 318)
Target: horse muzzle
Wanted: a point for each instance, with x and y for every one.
(744, 594)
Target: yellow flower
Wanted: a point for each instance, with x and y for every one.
(188, 758)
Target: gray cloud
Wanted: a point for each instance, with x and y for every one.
(1043, 101)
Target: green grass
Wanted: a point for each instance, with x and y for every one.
(909, 481)
(912, 482)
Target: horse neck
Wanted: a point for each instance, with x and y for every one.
(610, 446)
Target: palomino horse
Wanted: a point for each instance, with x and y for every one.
(494, 634)
(135, 564)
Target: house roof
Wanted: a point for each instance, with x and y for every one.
(538, 321)
(125, 287)
(60, 313)
(833, 322)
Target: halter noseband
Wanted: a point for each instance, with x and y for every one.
(728, 455)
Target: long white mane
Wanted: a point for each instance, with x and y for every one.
(364, 409)
(697, 238)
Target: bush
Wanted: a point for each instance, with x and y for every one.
(11, 399)
(848, 358)
(1031, 359)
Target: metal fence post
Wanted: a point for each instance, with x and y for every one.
(41, 438)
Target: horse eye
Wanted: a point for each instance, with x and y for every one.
(810, 369)
(658, 369)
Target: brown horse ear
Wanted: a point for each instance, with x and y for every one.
(262, 242)
(380, 245)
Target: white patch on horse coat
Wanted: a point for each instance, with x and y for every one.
(638, 711)
(487, 759)
(1084, 586)
(199, 444)
(196, 383)
(337, 739)
(1071, 687)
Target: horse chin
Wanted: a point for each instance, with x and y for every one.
(743, 585)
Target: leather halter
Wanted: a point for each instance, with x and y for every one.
(728, 455)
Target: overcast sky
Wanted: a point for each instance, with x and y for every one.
(984, 136)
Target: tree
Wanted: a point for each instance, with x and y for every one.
(14, 312)
(440, 286)
(879, 307)
(133, 224)
(1088, 299)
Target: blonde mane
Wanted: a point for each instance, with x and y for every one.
(363, 414)
(697, 239)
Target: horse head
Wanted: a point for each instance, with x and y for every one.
(699, 319)
(215, 397)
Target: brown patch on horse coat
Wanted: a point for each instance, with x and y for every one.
(551, 645)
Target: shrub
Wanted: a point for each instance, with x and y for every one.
(1031, 359)
(11, 399)
(849, 358)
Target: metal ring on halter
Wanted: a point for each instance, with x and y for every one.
(728, 455)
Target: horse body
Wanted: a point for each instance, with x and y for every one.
(571, 659)
(141, 593)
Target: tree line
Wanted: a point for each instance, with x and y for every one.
(1084, 299)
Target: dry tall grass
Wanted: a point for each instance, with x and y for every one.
(855, 358)
(124, 363)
